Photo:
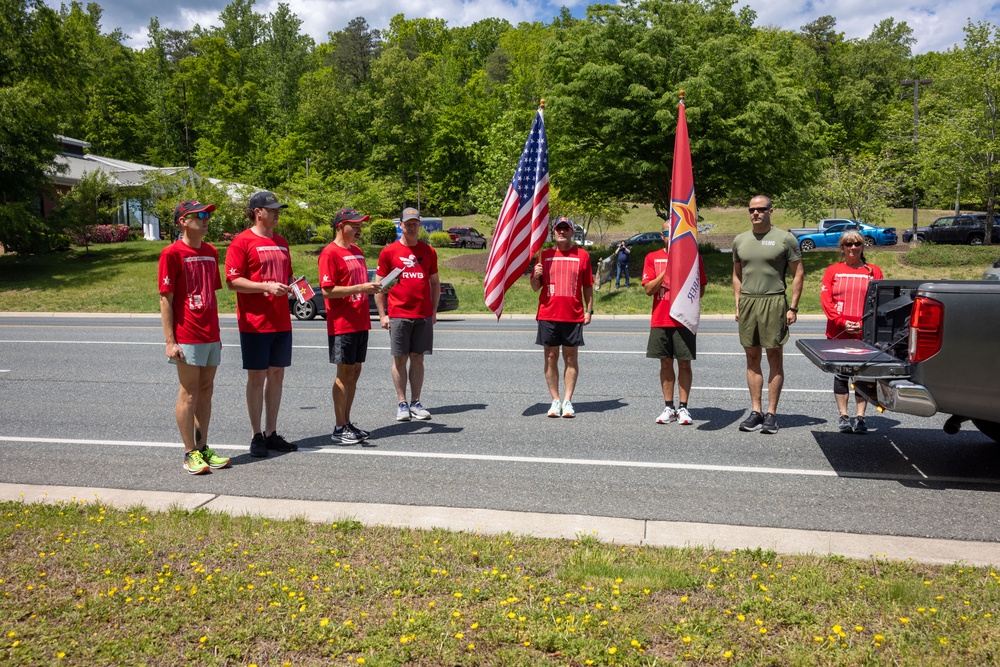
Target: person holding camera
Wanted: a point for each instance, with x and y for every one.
(622, 252)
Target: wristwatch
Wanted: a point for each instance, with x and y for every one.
(590, 312)
(794, 310)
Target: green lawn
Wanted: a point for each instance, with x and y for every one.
(87, 584)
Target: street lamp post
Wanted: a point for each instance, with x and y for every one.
(916, 91)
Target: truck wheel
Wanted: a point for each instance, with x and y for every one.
(807, 244)
(975, 240)
(989, 429)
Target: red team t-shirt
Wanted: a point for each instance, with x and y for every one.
(339, 267)
(843, 296)
(261, 260)
(192, 276)
(411, 296)
(655, 264)
(564, 275)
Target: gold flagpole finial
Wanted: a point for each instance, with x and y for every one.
(682, 96)
(541, 105)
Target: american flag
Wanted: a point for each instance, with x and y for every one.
(523, 221)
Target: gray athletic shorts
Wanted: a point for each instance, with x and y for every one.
(349, 348)
(671, 343)
(201, 354)
(411, 336)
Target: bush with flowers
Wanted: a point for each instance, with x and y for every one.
(100, 234)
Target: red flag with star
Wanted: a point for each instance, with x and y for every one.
(683, 258)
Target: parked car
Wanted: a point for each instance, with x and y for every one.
(993, 273)
(641, 239)
(822, 226)
(317, 305)
(466, 237)
(831, 237)
(955, 230)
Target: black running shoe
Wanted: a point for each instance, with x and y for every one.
(360, 431)
(753, 422)
(844, 424)
(279, 444)
(859, 426)
(258, 446)
(344, 435)
(770, 425)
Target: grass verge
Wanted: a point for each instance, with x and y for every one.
(86, 584)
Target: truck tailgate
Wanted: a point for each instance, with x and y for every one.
(853, 358)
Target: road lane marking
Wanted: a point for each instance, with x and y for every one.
(650, 465)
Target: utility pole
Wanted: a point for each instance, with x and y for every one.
(418, 191)
(916, 92)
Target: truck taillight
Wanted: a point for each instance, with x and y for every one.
(926, 322)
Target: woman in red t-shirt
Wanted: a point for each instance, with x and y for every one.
(842, 295)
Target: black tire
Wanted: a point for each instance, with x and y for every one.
(807, 244)
(304, 311)
(462, 245)
(989, 429)
(975, 240)
(869, 242)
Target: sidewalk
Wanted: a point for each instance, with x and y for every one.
(558, 526)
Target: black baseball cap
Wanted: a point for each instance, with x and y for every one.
(563, 222)
(348, 215)
(265, 199)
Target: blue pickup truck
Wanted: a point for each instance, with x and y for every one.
(928, 347)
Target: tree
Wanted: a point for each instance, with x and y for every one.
(92, 202)
(353, 51)
(865, 184)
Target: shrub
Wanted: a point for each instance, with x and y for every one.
(381, 232)
(100, 234)
(440, 239)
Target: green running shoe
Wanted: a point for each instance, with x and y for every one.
(194, 464)
(213, 460)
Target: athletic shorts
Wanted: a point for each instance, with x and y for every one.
(763, 321)
(410, 336)
(265, 350)
(671, 343)
(349, 348)
(200, 354)
(554, 334)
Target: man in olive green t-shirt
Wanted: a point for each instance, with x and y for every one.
(761, 258)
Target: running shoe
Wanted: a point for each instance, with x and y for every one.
(417, 411)
(668, 415)
(555, 410)
(194, 464)
(279, 444)
(859, 426)
(753, 422)
(402, 412)
(213, 460)
(567, 410)
(770, 424)
(844, 424)
(258, 446)
(360, 431)
(684, 417)
(343, 435)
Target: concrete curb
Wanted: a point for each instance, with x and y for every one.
(556, 526)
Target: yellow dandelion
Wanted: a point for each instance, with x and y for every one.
(763, 631)
(817, 638)
(727, 654)
(612, 650)
(686, 639)
(202, 639)
(904, 620)
(470, 647)
(943, 640)
(324, 622)
(60, 655)
(879, 638)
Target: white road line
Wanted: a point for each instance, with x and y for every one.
(655, 465)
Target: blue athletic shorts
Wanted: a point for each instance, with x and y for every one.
(265, 350)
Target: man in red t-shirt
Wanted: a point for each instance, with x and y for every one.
(189, 278)
(411, 312)
(565, 306)
(259, 270)
(668, 338)
(343, 277)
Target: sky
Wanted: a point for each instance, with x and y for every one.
(937, 24)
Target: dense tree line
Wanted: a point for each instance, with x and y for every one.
(368, 117)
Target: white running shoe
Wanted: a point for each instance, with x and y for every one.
(417, 411)
(568, 412)
(555, 410)
(684, 417)
(668, 415)
(403, 412)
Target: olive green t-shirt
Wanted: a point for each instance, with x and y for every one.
(765, 259)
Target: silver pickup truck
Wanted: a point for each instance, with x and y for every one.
(927, 347)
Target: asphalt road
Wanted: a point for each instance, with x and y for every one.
(88, 401)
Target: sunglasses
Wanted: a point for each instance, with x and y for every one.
(853, 244)
(759, 209)
(202, 215)
(665, 233)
